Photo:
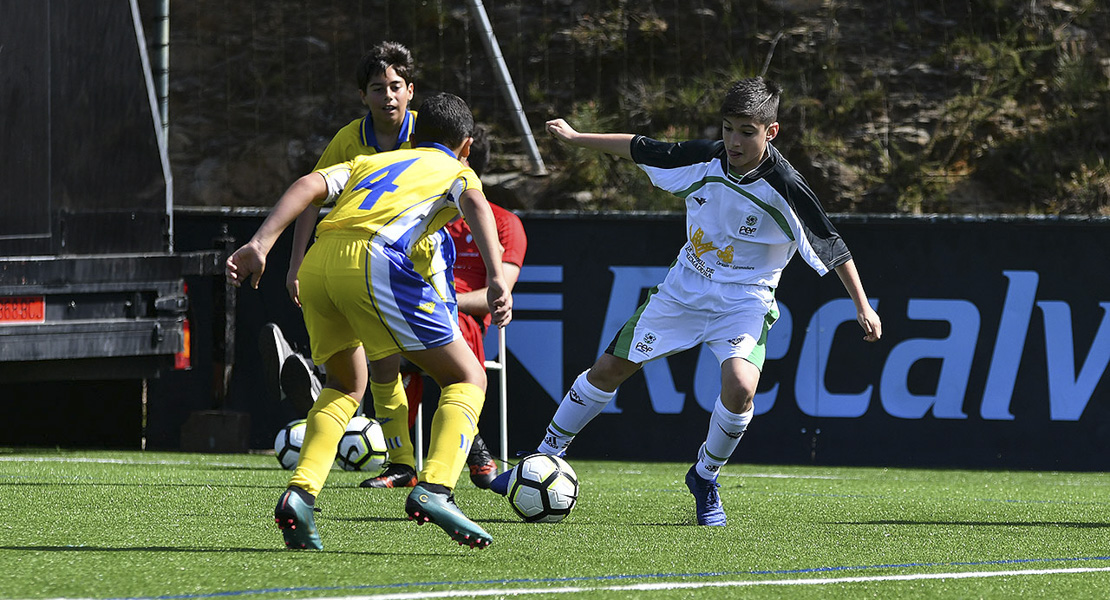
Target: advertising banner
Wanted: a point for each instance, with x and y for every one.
(995, 346)
(994, 354)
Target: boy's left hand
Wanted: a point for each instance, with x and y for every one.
(872, 326)
(500, 303)
(247, 261)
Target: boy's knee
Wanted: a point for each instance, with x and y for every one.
(738, 404)
(475, 377)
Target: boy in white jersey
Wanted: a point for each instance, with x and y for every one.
(747, 213)
(374, 285)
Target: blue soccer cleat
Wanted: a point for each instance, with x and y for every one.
(297, 523)
(426, 506)
(707, 500)
(500, 484)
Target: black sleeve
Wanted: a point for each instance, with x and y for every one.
(669, 155)
(820, 232)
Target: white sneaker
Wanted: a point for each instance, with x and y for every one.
(274, 350)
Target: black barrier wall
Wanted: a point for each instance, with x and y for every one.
(996, 342)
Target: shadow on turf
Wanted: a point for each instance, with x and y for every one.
(71, 484)
(374, 519)
(201, 550)
(1073, 524)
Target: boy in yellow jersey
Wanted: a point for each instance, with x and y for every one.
(384, 78)
(385, 86)
(372, 286)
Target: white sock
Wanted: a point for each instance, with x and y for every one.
(582, 403)
(725, 430)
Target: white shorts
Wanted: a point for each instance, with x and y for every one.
(687, 309)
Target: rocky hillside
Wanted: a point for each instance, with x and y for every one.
(891, 106)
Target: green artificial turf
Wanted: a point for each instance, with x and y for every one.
(168, 525)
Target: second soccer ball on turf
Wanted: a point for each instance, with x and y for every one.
(287, 444)
(362, 447)
(542, 488)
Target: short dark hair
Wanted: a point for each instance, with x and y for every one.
(444, 119)
(381, 57)
(479, 150)
(755, 98)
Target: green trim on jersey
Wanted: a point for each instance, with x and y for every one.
(775, 213)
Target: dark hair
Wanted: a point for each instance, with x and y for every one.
(444, 119)
(479, 150)
(755, 98)
(380, 58)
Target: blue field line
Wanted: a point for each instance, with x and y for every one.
(881, 497)
(423, 584)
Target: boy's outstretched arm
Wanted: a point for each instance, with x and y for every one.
(618, 144)
(483, 227)
(250, 259)
(867, 317)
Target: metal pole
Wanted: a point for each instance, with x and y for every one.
(503, 382)
(158, 106)
(163, 72)
(506, 81)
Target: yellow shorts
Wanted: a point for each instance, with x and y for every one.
(354, 292)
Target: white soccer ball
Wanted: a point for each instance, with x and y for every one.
(542, 488)
(362, 447)
(287, 444)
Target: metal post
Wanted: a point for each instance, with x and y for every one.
(159, 101)
(503, 393)
(506, 81)
(223, 326)
(163, 67)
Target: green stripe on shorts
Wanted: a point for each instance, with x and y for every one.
(623, 341)
(759, 353)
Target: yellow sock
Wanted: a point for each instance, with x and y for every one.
(326, 423)
(453, 428)
(391, 409)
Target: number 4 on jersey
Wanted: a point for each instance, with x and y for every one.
(381, 182)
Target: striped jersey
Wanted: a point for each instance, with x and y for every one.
(741, 229)
(399, 200)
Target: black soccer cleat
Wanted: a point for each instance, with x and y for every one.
(394, 476)
(483, 469)
(299, 383)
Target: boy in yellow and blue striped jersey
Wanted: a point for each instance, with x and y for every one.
(373, 286)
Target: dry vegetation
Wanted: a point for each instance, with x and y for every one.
(892, 106)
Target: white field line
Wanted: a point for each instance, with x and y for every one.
(785, 476)
(648, 587)
(114, 461)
